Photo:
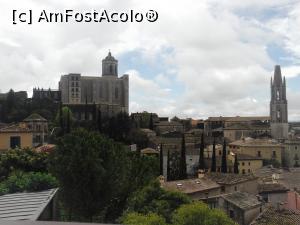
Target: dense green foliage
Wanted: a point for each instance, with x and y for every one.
(31, 181)
(140, 219)
(97, 175)
(199, 213)
(274, 162)
(153, 199)
(22, 159)
(150, 208)
(16, 107)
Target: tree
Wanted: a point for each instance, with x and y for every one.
(87, 166)
(26, 160)
(151, 125)
(236, 165)
(20, 181)
(140, 219)
(97, 175)
(168, 167)
(198, 213)
(201, 155)
(99, 121)
(224, 158)
(154, 199)
(161, 161)
(213, 158)
(183, 174)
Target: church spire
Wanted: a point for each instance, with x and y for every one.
(277, 76)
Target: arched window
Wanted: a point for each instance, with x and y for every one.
(277, 95)
(111, 69)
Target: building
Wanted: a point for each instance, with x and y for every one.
(266, 149)
(231, 182)
(16, 136)
(278, 106)
(291, 152)
(162, 127)
(241, 207)
(29, 206)
(273, 193)
(247, 163)
(51, 94)
(196, 188)
(277, 216)
(39, 126)
(237, 131)
(109, 92)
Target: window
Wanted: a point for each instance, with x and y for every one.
(243, 164)
(220, 152)
(249, 171)
(15, 141)
(274, 154)
(111, 69)
(243, 171)
(258, 153)
(248, 163)
(277, 95)
(235, 188)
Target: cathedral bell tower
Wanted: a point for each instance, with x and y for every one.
(109, 66)
(278, 106)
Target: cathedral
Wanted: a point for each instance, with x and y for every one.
(108, 92)
(278, 106)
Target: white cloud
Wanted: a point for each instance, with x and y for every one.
(216, 55)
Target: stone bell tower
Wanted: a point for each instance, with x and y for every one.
(278, 106)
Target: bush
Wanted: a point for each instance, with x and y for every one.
(198, 213)
(32, 181)
(140, 219)
(22, 159)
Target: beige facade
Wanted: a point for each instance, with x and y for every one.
(263, 148)
(247, 163)
(15, 136)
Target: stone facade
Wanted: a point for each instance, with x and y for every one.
(109, 90)
(278, 106)
(291, 153)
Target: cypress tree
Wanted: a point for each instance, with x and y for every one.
(236, 165)
(99, 121)
(224, 158)
(168, 167)
(68, 122)
(201, 155)
(161, 160)
(213, 158)
(151, 126)
(61, 119)
(183, 174)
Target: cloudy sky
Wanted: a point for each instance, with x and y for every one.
(201, 58)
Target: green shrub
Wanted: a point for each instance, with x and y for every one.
(140, 219)
(32, 181)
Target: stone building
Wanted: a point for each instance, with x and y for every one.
(50, 94)
(243, 208)
(39, 126)
(266, 149)
(291, 152)
(278, 106)
(109, 93)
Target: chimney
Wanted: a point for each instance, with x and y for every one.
(201, 174)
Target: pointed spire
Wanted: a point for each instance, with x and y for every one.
(277, 76)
